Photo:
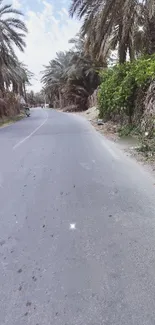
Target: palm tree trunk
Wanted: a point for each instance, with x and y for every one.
(151, 35)
(20, 89)
(60, 99)
(122, 53)
(131, 53)
(15, 87)
(2, 85)
(121, 47)
(24, 92)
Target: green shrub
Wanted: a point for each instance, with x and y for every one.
(128, 129)
(119, 84)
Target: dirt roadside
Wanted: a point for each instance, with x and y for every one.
(5, 121)
(127, 144)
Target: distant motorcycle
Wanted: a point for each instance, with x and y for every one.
(27, 111)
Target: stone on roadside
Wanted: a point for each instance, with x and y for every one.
(100, 122)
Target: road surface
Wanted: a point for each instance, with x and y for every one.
(77, 227)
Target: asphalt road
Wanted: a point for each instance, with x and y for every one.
(57, 173)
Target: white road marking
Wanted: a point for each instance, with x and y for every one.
(30, 135)
(72, 226)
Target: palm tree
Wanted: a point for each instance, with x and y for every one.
(54, 76)
(150, 25)
(20, 77)
(12, 29)
(71, 77)
(12, 33)
(126, 25)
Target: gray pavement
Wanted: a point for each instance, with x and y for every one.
(55, 170)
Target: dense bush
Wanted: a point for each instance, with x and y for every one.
(118, 89)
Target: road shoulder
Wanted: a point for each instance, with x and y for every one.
(128, 145)
(6, 121)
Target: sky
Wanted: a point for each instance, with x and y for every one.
(50, 28)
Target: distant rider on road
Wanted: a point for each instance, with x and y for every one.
(27, 110)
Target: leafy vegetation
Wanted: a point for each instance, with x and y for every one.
(125, 25)
(118, 89)
(127, 90)
(71, 78)
(128, 129)
(35, 99)
(14, 75)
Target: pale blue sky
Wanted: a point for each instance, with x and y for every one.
(37, 5)
(49, 27)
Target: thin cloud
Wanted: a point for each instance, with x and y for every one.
(49, 32)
